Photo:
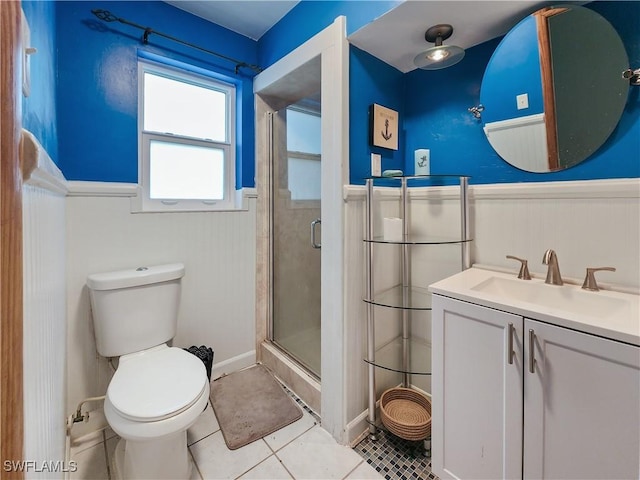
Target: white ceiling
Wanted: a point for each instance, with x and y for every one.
(251, 18)
(396, 37)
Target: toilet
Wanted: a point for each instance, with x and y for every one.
(157, 392)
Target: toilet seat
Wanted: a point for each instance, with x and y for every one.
(156, 384)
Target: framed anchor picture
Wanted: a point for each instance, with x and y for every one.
(383, 127)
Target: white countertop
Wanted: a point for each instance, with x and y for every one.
(605, 313)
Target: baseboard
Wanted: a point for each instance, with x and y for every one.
(358, 428)
(233, 364)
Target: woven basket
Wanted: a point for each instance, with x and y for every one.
(406, 413)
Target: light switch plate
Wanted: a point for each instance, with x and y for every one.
(376, 165)
(522, 101)
(422, 158)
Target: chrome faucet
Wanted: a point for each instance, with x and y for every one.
(553, 272)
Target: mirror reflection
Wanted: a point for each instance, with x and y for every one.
(553, 90)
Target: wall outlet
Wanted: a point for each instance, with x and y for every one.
(522, 101)
(376, 165)
(422, 159)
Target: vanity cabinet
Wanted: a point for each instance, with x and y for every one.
(514, 397)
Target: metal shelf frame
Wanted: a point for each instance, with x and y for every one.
(405, 287)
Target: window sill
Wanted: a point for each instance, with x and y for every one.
(131, 190)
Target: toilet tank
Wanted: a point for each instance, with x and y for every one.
(135, 309)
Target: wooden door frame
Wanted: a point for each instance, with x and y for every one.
(11, 300)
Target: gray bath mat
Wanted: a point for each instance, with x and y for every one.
(251, 404)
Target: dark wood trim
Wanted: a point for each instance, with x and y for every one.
(11, 382)
(548, 95)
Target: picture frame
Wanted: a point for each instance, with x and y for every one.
(383, 127)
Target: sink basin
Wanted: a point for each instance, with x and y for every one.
(606, 313)
(569, 298)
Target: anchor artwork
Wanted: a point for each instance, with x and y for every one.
(383, 127)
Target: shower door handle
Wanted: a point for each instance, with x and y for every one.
(314, 244)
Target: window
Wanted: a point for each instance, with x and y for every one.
(303, 145)
(186, 140)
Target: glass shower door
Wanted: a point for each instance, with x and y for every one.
(296, 232)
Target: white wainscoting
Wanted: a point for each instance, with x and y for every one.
(524, 138)
(44, 337)
(588, 223)
(218, 290)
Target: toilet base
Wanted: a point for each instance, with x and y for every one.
(162, 458)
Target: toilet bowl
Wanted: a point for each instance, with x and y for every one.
(157, 392)
(153, 398)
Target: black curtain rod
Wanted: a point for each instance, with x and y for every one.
(107, 16)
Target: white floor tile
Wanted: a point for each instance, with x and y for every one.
(316, 455)
(216, 461)
(195, 473)
(86, 441)
(111, 448)
(270, 469)
(364, 472)
(91, 463)
(280, 438)
(205, 425)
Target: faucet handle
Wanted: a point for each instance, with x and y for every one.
(590, 280)
(524, 269)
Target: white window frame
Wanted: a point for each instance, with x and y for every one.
(144, 203)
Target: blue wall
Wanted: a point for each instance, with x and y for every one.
(39, 108)
(310, 17)
(433, 104)
(97, 94)
(514, 69)
(436, 117)
(90, 127)
(371, 81)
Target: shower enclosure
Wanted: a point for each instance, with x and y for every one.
(296, 229)
(286, 295)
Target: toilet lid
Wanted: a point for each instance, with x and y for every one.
(157, 384)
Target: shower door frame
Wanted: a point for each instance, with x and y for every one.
(332, 48)
(278, 155)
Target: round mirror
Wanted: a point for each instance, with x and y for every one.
(553, 89)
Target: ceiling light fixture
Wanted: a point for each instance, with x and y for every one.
(439, 56)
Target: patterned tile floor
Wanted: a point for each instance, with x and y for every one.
(300, 403)
(395, 458)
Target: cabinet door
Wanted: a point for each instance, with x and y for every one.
(582, 406)
(477, 392)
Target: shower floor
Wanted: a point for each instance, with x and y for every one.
(304, 346)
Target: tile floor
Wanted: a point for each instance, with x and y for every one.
(395, 458)
(302, 450)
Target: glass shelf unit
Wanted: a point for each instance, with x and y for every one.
(409, 202)
(389, 356)
(399, 296)
(418, 240)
